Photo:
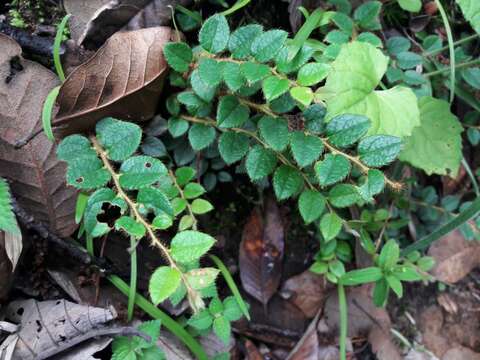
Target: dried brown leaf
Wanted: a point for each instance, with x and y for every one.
(461, 353)
(123, 79)
(454, 256)
(82, 11)
(252, 352)
(261, 252)
(308, 347)
(37, 178)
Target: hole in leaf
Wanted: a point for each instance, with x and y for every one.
(20, 311)
(79, 180)
(110, 213)
(39, 325)
(148, 165)
(15, 67)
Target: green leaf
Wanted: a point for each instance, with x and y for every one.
(231, 113)
(200, 136)
(344, 130)
(367, 15)
(179, 205)
(304, 95)
(361, 276)
(233, 146)
(214, 34)
(201, 320)
(240, 43)
(287, 181)
(8, 222)
(379, 150)
(389, 255)
(268, 44)
(305, 148)
(398, 44)
(343, 195)
(312, 73)
(410, 5)
(337, 268)
(233, 77)
(75, 147)
(221, 328)
(155, 199)
(130, 226)
(94, 207)
(201, 206)
(87, 173)
(408, 60)
(80, 205)
(330, 226)
(216, 306)
(371, 39)
(287, 66)
(373, 185)
(204, 90)
(178, 56)
(184, 175)
(186, 222)
(273, 87)
(194, 104)
(314, 117)
(119, 138)
(275, 132)
(260, 162)
(436, 145)
(311, 205)
(358, 94)
(47, 111)
(332, 169)
(254, 72)
(162, 221)
(471, 11)
(193, 190)
(319, 267)
(211, 71)
(380, 293)
(177, 127)
(188, 246)
(163, 283)
(395, 284)
(199, 279)
(140, 171)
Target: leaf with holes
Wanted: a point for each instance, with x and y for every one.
(141, 171)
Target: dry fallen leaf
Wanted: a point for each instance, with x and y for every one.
(37, 178)
(454, 257)
(308, 347)
(461, 353)
(261, 252)
(123, 79)
(252, 352)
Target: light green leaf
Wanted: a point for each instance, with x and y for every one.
(268, 44)
(214, 34)
(330, 226)
(119, 138)
(361, 276)
(184, 175)
(311, 205)
(193, 190)
(344, 130)
(178, 56)
(287, 181)
(130, 226)
(140, 171)
(332, 169)
(254, 72)
(410, 5)
(373, 185)
(389, 255)
(471, 11)
(395, 284)
(200, 136)
(155, 199)
(233, 77)
(189, 245)
(273, 87)
(201, 206)
(222, 328)
(231, 113)
(162, 221)
(8, 222)
(199, 279)
(379, 150)
(240, 43)
(350, 88)
(305, 148)
(186, 222)
(312, 73)
(275, 132)
(201, 321)
(163, 283)
(436, 145)
(233, 146)
(260, 162)
(343, 195)
(304, 95)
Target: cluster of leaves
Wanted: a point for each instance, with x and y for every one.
(137, 348)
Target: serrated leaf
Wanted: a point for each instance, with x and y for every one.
(201, 136)
(8, 222)
(140, 171)
(232, 311)
(275, 132)
(260, 162)
(214, 34)
(130, 226)
(233, 146)
(163, 283)
(199, 279)
(222, 328)
(304, 95)
(155, 199)
(241, 40)
(211, 71)
(332, 169)
(194, 104)
(201, 206)
(373, 185)
(379, 150)
(330, 226)
(436, 145)
(311, 205)
(254, 72)
(312, 73)
(190, 245)
(367, 15)
(268, 44)
(193, 190)
(201, 320)
(344, 130)
(112, 135)
(74, 147)
(184, 175)
(178, 56)
(305, 148)
(231, 113)
(204, 90)
(314, 117)
(273, 87)
(87, 174)
(471, 11)
(233, 77)
(287, 181)
(343, 195)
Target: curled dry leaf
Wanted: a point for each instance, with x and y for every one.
(37, 177)
(81, 12)
(261, 252)
(123, 79)
(454, 257)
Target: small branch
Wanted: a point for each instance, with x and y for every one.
(182, 195)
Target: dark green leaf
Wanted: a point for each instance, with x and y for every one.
(332, 169)
(214, 34)
(287, 181)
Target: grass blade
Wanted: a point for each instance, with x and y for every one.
(47, 112)
(133, 278)
(237, 6)
(56, 47)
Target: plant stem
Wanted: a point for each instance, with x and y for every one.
(343, 309)
(90, 245)
(459, 66)
(182, 195)
(133, 278)
(455, 43)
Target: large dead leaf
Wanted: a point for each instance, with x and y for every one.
(454, 257)
(308, 347)
(261, 252)
(123, 79)
(36, 177)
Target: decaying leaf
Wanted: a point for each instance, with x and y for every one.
(461, 353)
(454, 257)
(252, 352)
(49, 325)
(123, 79)
(5, 269)
(261, 252)
(308, 347)
(13, 247)
(37, 178)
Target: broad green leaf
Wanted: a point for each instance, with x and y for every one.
(231, 113)
(214, 34)
(178, 56)
(179, 205)
(312, 73)
(193, 190)
(304, 95)
(155, 199)
(163, 282)
(319, 267)
(268, 44)
(241, 40)
(260, 162)
(233, 146)
(361, 276)
(374, 184)
(275, 132)
(120, 139)
(370, 38)
(343, 195)
(344, 130)
(411, 5)
(311, 205)
(8, 222)
(140, 171)
(379, 150)
(211, 71)
(314, 117)
(200, 136)
(130, 226)
(408, 60)
(350, 88)
(366, 15)
(273, 87)
(254, 72)
(222, 328)
(344, 22)
(471, 11)
(189, 245)
(75, 147)
(201, 206)
(389, 255)
(184, 175)
(287, 181)
(94, 207)
(204, 90)
(337, 37)
(330, 226)
(436, 145)
(305, 148)
(87, 173)
(332, 169)
(201, 320)
(199, 279)
(233, 77)
(177, 126)
(398, 44)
